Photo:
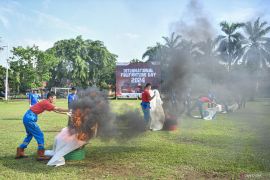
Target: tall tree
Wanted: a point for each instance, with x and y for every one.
(172, 42)
(256, 44)
(82, 62)
(134, 61)
(101, 64)
(206, 60)
(256, 49)
(160, 52)
(30, 67)
(229, 44)
(2, 77)
(188, 47)
(2, 72)
(155, 53)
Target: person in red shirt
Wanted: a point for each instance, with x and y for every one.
(32, 129)
(200, 102)
(205, 99)
(145, 104)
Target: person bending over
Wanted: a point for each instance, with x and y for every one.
(32, 129)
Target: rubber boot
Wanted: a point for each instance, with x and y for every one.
(20, 153)
(41, 156)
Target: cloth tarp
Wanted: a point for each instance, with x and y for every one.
(210, 113)
(156, 112)
(65, 142)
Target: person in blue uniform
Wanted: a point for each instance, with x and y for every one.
(33, 98)
(32, 129)
(72, 96)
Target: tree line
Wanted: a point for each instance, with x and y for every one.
(238, 58)
(83, 63)
(251, 49)
(70, 62)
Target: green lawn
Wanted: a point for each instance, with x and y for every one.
(230, 145)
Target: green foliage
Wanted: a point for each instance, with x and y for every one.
(82, 63)
(30, 67)
(172, 42)
(2, 72)
(213, 60)
(155, 53)
(229, 45)
(256, 45)
(2, 77)
(69, 62)
(134, 61)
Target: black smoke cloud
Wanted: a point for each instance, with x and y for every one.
(190, 68)
(92, 107)
(194, 24)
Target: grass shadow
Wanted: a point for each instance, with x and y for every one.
(9, 118)
(42, 131)
(97, 156)
(27, 165)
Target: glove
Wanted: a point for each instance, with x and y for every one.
(69, 114)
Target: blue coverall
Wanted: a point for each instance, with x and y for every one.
(32, 130)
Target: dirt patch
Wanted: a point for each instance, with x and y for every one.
(187, 172)
(115, 171)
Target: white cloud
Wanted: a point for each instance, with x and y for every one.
(4, 21)
(6, 10)
(41, 43)
(128, 36)
(83, 30)
(131, 35)
(239, 15)
(59, 23)
(5, 13)
(14, 3)
(45, 4)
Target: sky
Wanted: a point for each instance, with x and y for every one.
(127, 27)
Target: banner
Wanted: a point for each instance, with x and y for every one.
(131, 78)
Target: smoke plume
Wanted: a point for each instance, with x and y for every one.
(91, 112)
(194, 24)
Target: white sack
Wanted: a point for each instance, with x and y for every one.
(233, 107)
(65, 142)
(211, 112)
(156, 112)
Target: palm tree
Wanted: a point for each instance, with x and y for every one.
(159, 52)
(135, 61)
(172, 42)
(206, 61)
(229, 44)
(207, 48)
(155, 53)
(188, 47)
(205, 52)
(256, 46)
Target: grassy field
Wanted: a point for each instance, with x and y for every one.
(231, 146)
